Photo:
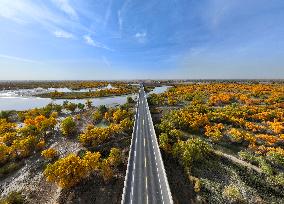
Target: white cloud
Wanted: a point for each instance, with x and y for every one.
(121, 12)
(120, 20)
(108, 13)
(141, 37)
(10, 10)
(9, 57)
(30, 12)
(89, 40)
(65, 6)
(63, 34)
(33, 12)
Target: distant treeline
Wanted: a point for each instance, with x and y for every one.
(74, 85)
(90, 94)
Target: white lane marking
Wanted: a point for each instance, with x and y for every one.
(147, 199)
(160, 186)
(134, 163)
(145, 162)
(143, 121)
(146, 182)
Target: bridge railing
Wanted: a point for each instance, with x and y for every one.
(127, 180)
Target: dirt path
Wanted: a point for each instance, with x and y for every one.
(238, 161)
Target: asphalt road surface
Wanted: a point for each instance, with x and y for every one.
(146, 181)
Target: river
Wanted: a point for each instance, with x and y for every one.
(23, 100)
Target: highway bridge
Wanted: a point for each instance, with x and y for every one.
(146, 180)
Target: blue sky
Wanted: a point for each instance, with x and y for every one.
(134, 39)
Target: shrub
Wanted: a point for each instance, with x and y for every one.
(126, 125)
(8, 168)
(49, 153)
(232, 193)
(94, 136)
(97, 116)
(276, 156)
(277, 180)
(192, 150)
(247, 156)
(91, 161)
(106, 170)
(68, 126)
(8, 138)
(265, 167)
(164, 142)
(236, 135)
(6, 127)
(40, 145)
(24, 147)
(214, 131)
(119, 115)
(196, 183)
(13, 198)
(115, 157)
(4, 153)
(70, 106)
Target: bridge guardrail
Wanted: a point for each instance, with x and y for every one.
(130, 157)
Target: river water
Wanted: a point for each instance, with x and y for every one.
(23, 99)
(159, 89)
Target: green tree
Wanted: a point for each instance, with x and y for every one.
(68, 126)
(5, 114)
(130, 100)
(103, 109)
(164, 142)
(71, 107)
(192, 150)
(81, 106)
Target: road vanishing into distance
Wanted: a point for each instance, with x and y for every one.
(146, 180)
